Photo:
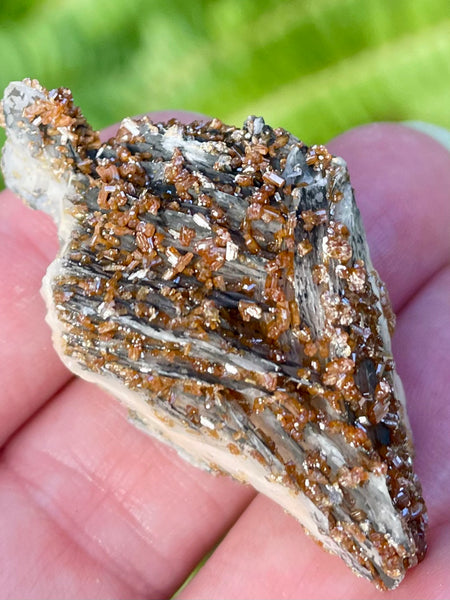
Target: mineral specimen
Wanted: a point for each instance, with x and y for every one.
(217, 280)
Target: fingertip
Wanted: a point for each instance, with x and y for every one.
(393, 153)
(438, 133)
(384, 136)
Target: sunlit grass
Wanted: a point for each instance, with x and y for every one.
(316, 67)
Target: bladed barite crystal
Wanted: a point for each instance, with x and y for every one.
(218, 282)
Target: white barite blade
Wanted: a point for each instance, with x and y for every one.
(218, 282)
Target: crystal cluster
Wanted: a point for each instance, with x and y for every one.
(218, 282)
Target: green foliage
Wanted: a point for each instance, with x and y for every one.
(316, 67)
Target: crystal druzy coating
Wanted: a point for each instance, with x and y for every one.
(217, 280)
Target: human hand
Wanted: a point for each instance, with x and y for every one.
(93, 508)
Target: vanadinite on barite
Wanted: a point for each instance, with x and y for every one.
(217, 280)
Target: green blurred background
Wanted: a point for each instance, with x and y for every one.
(316, 67)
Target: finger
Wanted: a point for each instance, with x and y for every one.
(144, 516)
(47, 554)
(422, 350)
(30, 371)
(267, 555)
(401, 178)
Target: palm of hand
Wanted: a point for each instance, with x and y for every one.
(93, 508)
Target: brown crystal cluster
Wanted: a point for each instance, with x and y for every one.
(57, 111)
(217, 271)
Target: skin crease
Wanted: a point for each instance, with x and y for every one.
(92, 508)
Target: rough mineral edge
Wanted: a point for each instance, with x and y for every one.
(59, 162)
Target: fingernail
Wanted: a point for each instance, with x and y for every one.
(438, 133)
